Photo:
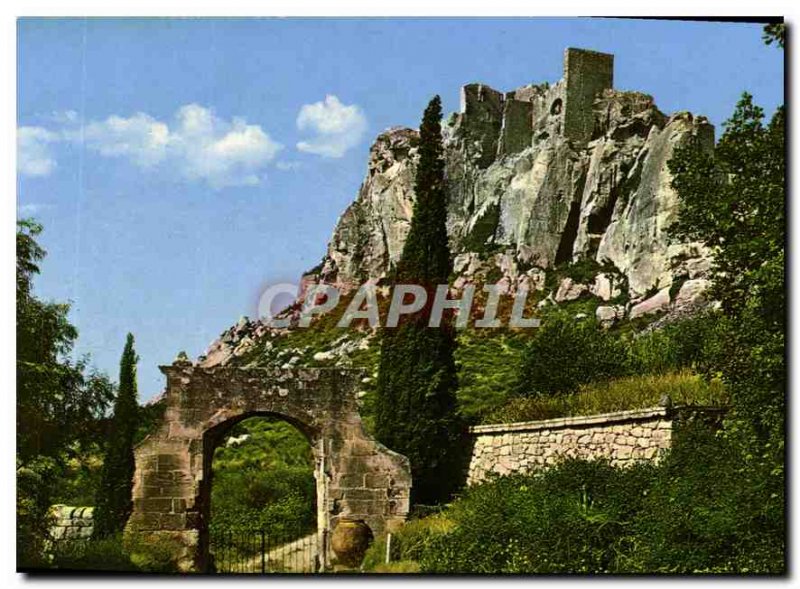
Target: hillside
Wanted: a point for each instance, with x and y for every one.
(559, 189)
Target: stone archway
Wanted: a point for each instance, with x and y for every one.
(356, 476)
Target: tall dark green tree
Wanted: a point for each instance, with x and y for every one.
(416, 389)
(114, 501)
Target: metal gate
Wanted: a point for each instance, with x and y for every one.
(263, 551)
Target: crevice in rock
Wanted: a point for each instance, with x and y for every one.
(570, 234)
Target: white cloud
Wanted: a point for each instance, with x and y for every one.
(140, 138)
(223, 153)
(337, 127)
(34, 153)
(197, 145)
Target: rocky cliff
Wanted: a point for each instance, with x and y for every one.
(542, 179)
(539, 177)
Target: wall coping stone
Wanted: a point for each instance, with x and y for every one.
(596, 419)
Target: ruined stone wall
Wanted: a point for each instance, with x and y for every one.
(587, 74)
(482, 118)
(72, 523)
(356, 476)
(517, 131)
(622, 437)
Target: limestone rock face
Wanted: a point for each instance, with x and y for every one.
(526, 178)
(370, 233)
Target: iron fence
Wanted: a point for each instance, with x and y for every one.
(263, 552)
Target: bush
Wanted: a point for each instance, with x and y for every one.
(700, 510)
(708, 511)
(107, 554)
(153, 554)
(565, 353)
(36, 483)
(410, 543)
(564, 520)
(689, 343)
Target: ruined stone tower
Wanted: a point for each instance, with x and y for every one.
(586, 75)
(542, 175)
(509, 122)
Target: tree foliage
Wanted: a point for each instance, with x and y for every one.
(416, 388)
(565, 353)
(775, 33)
(114, 503)
(734, 200)
(59, 400)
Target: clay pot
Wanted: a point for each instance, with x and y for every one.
(350, 539)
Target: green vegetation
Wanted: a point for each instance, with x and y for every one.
(415, 410)
(715, 503)
(487, 361)
(265, 482)
(588, 517)
(581, 350)
(623, 394)
(114, 502)
(59, 401)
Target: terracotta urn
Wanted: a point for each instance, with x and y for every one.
(350, 539)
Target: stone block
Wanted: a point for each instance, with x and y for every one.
(377, 480)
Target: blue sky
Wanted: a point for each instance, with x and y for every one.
(180, 165)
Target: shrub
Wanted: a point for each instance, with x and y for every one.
(409, 543)
(153, 554)
(707, 511)
(700, 510)
(564, 520)
(36, 483)
(401, 567)
(565, 353)
(689, 343)
(107, 554)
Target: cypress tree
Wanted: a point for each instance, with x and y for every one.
(114, 503)
(416, 388)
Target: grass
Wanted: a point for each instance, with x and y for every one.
(409, 544)
(634, 392)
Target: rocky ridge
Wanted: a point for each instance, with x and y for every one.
(540, 179)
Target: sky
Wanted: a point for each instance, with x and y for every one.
(179, 166)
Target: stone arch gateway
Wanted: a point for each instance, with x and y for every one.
(355, 475)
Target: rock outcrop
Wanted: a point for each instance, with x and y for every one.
(541, 180)
(546, 174)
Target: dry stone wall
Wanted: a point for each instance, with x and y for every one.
(622, 437)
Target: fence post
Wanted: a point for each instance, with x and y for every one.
(388, 547)
(263, 554)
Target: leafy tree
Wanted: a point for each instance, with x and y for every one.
(416, 388)
(565, 353)
(59, 402)
(775, 33)
(734, 200)
(114, 503)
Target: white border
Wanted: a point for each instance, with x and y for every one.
(14, 8)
